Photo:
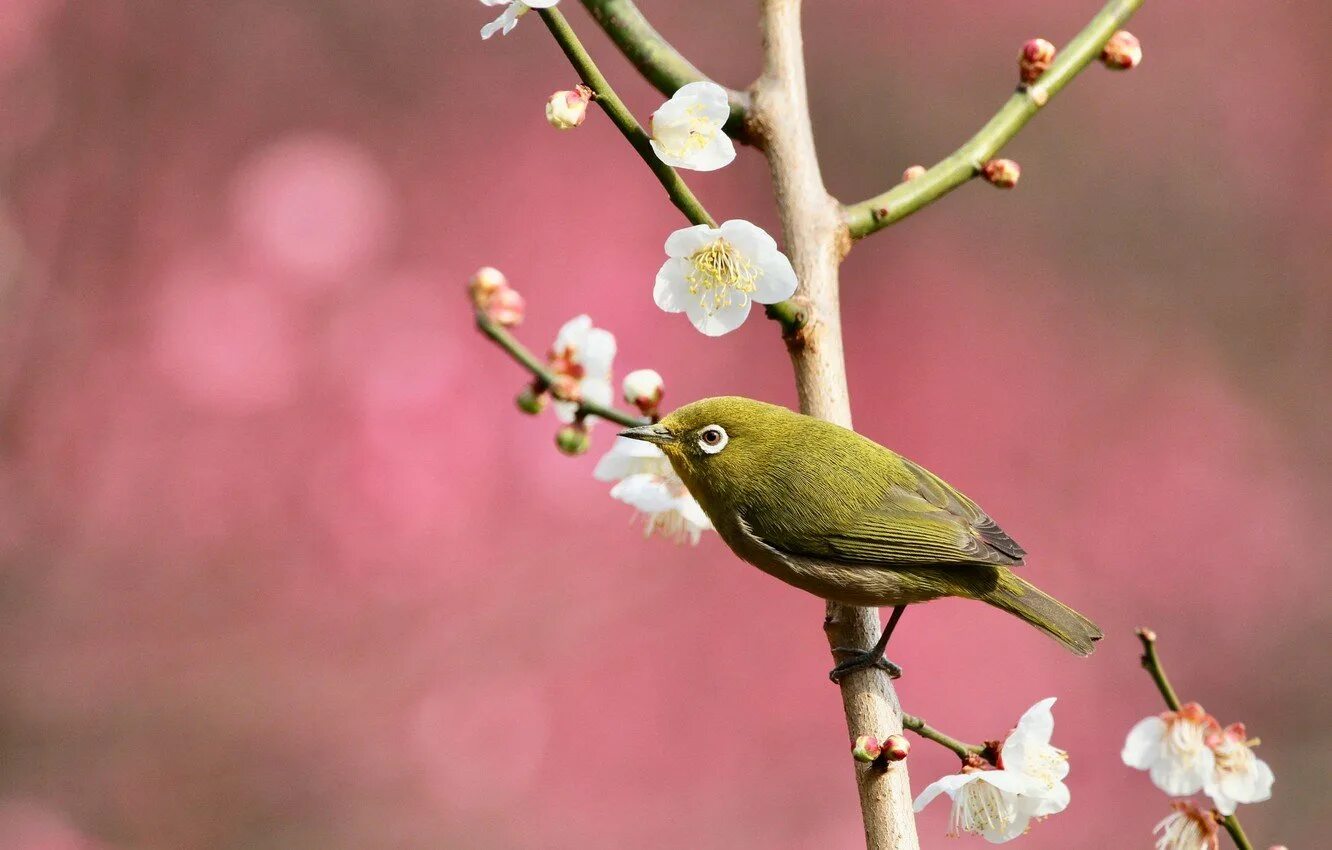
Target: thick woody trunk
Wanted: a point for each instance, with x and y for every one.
(816, 239)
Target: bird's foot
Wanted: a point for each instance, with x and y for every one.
(861, 660)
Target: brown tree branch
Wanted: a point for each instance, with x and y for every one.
(815, 241)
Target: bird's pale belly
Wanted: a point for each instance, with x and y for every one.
(859, 585)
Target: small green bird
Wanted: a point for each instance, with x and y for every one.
(833, 513)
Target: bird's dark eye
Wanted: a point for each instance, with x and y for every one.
(712, 439)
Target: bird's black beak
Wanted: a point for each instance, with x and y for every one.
(649, 434)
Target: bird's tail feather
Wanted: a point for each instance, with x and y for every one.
(1018, 596)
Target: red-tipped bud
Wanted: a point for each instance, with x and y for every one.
(484, 283)
(896, 748)
(912, 173)
(643, 389)
(1034, 59)
(1003, 173)
(567, 109)
(866, 749)
(531, 401)
(506, 307)
(573, 439)
(1122, 52)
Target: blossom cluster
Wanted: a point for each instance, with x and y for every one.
(1028, 783)
(1188, 751)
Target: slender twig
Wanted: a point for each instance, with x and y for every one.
(963, 750)
(548, 379)
(660, 63)
(623, 119)
(902, 200)
(1151, 662)
(786, 313)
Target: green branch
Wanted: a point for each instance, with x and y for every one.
(661, 64)
(623, 119)
(902, 200)
(1151, 662)
(788, 315)
(963, 750)
(525, 358)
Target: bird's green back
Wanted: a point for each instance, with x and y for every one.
(813, 489)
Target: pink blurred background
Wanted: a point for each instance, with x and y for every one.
(282, 567)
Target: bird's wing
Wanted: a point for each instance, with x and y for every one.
(920, 520)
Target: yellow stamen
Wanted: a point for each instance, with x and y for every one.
(720, 274)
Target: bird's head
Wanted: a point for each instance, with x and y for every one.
(716, 443)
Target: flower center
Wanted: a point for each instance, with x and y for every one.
(719, 275)
(697, 134)
(1233, 757)
(982, 808)
(1185, 740)
(1182, 831)
(1044, 765)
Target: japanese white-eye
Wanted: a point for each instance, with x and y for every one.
(836, 514)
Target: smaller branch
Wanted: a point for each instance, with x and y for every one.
(963, 750)
(660, 63)
(902, 200)
(525, 358)
(1151, 662)
(623, 119)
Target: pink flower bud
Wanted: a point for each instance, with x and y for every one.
(1003, 173)
(532, 402)
(484, 283)
(506, 307)
(912, 173)
(643, 389)
(1034, 59)
(1122, 52)
(896, 748)
(573, 439)
(866, 749)
(567, 109)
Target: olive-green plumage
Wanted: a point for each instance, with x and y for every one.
(838, 515)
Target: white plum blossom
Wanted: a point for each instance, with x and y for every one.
(644, 480)
(999, 804)
(687, 129)
(989, 803)
(1238, 775)
(715, 274)
(1173, 747)
(1187, 828)
(582, 356)
(513, 10)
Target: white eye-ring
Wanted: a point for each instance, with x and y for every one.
(713, 439)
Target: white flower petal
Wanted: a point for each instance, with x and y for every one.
(687, 240)
(1143, 746)
(692, 512)
(719, 152)
(598, 352)
(1052, 801)
(1006, 780)
(648, 493)
(722, 320)
(1181, 778)
(671, 290)
(541, 4)
(630, 457)
(949, 785)
(709, 96)
(572, 332)
(565, 411)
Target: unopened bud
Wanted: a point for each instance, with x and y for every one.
(896, 747)
(1277, 847)
(866, 749)
(1034, 59)
(531, 401)
(1122, 52)
(506, 307)
(1003, 173)
(643, 389)
(912, 173)
(484, 283)
(567, 109)
(573, 439)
